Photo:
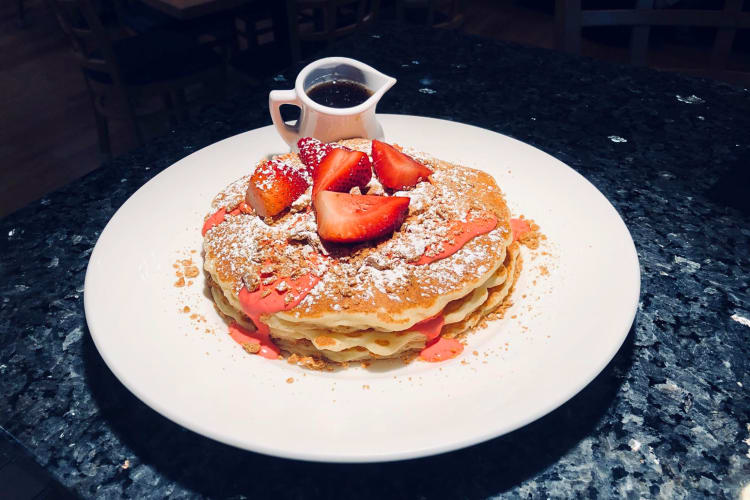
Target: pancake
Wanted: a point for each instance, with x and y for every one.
(453, 257)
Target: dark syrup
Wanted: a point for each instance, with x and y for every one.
(339, 93)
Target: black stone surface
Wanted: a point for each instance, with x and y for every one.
(668, 417)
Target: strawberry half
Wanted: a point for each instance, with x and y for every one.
(273, 187)
(396, 170)
(341, 170)
(312, 152)
(351, 218)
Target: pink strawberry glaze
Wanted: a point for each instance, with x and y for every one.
(430, 327)
(244, 336)
(441, 349)
(460, 233)
(254, 304)
(437, 348)
(217, 218)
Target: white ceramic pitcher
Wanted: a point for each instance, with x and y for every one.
(325, 123)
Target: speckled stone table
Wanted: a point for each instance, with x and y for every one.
(668, 417)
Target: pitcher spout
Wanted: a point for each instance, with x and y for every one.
(377, 82)
(386, 83)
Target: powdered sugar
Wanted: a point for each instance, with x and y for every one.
(244, 243)
(422, 157)
(265, 174)
(232, 195)
(372, 274)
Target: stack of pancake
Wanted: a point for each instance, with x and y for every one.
(369, 300)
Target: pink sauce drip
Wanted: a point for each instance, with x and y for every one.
(519, 227)
(437, 348)
(254, 304)
(217, 218)
(460, 233)
(242, 335)
(430, 327)
(441, 349)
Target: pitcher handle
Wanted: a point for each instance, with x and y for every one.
(290, 133)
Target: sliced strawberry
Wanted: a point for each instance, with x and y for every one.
(312, 152)
(341, 170)
(273, 187)
(396, 170)
(350, 218)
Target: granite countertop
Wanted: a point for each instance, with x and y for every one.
(669, 416)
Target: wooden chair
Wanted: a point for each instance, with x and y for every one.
(322, 22)
(264, 47)
(140, 18)
(447, 14)
(133, 77)
(571, 18)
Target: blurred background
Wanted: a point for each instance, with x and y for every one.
(82, 81)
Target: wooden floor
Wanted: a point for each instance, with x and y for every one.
(47, 132)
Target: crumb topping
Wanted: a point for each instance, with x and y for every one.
(532, 238)
(232, 195)
(246, 248)
(251, 348)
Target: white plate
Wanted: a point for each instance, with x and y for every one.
(561, 332)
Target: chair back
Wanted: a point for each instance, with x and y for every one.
(91, 42)
(570, 18)
(330, 20)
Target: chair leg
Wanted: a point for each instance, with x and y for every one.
(219, 83)
(102, 125)
(22, 21)
(293, 31)
(282, 23)
(102, 130)
(134, 125)
(431, 13)
(128, 100)
(166, 99)
(182, 107)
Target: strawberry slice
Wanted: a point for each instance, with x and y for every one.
(312, 152)
(273, 187)
(351, 218)
(394, 169)
(341, 170)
